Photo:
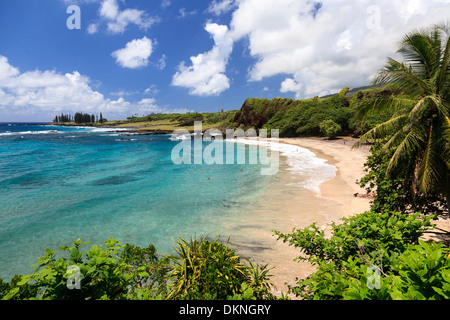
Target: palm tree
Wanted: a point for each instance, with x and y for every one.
(419, 130)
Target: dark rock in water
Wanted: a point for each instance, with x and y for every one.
(112, 180)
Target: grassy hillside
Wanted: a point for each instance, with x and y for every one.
(293, 118)
(296, 118)
(172, 122)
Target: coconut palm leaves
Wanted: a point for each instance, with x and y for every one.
(205, 269)
(419, 130)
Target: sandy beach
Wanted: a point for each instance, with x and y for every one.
(285, 206)
(350, 167)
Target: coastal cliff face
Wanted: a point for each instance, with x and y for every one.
(257, 112)
(293, 117)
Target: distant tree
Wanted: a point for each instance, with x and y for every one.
(344, 91)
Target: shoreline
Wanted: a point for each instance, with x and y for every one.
(286, 204)
(350, 166)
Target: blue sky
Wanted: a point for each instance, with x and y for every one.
(137, 57)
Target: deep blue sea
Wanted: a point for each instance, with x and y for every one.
(58, 184)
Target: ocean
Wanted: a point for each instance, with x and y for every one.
(58, 184)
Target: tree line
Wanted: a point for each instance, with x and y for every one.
(79, 117)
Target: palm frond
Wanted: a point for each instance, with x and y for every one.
(419, 50)
(382, 130)
(384, 104)
(419, 109)
(409, 146)
(404, 76)
(444, 71)
(427, 170)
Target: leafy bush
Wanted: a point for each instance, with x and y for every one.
(201, 270)
(422, 272)
(188, 119)
(103, 274)
(396, 194)
(330, 128)
(211, 270)
(303, 117)
(409, 268)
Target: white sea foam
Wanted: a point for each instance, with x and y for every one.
(303, 162)
(106, 129)
(21, 133)
(126, 140)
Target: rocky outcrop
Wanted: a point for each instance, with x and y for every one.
(257, 112)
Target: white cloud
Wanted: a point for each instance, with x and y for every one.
(324, 48)
(7, 71)
(290, 85)
(123, 93)
(205, 77)
(162, 62)
(135, 54)
(117, 20)
(152, 90)
(165, 3)
(42, 94)
(183, 13)
(219, 7)
(92, 28)
(148, 105)
(109, 9)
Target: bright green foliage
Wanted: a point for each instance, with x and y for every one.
(205, 270)
(188, 119)
(421, 273)
(330, 128)
(344, 92)
(106, 272)
(419, 129)
(201, 269)
(303, 117)
(409, 268)
(361, 125)
(396, 193)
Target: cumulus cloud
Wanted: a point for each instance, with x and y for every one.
(42, 94)
(324, 46)
(205, 77)
(291, 85)
(135, 54)
(118, 20)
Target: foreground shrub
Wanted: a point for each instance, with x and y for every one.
(211, 270)
(201, 269)
(388, 243)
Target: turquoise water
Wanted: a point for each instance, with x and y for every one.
(58, 184)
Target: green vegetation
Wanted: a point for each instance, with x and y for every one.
(330, 128)
(201, 270)
(376, 255)
(296, 118)
(409, 169)
(79, 118)
(159, 122)
(419, 129)
(385, 237)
